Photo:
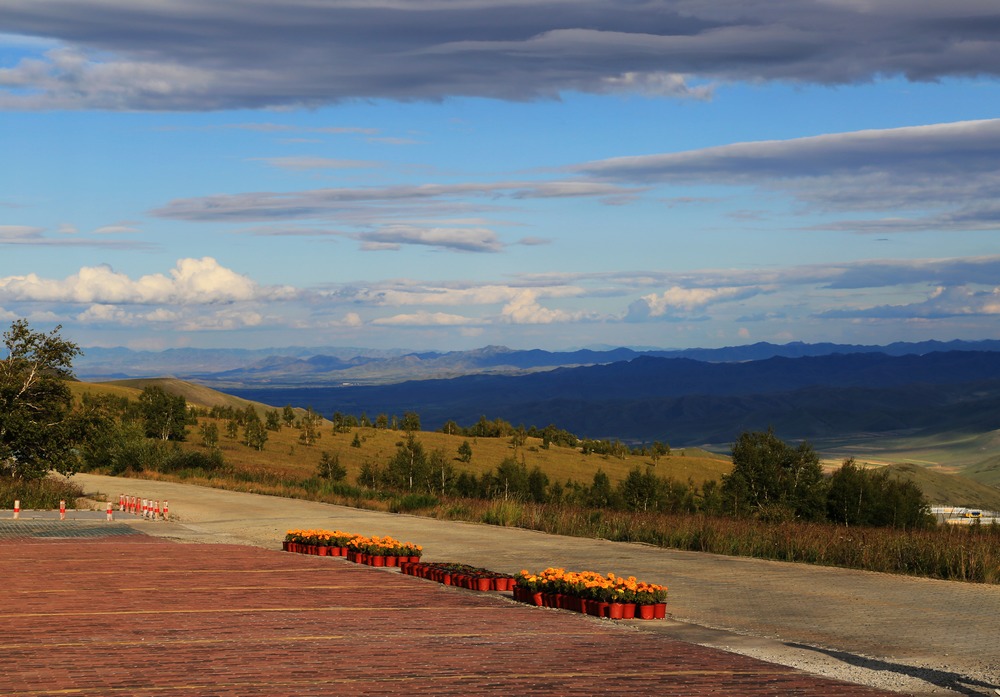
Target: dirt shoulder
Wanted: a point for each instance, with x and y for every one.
(913, 635)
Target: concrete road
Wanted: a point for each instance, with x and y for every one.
(912, 635)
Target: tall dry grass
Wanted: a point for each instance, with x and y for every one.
(38, 494)
(960, 553)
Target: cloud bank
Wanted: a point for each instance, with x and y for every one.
(191, 55)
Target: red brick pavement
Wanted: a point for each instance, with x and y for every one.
(140, 616)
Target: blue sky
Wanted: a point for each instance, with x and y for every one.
(447, 175)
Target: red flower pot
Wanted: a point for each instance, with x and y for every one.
(616, 611)
(629, 611)
(536, 599)
(376, 560)
(484, 584)
(659, 611)
(646, 612)
(391, 560)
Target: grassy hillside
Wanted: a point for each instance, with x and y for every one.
(196, 395)
(285, 454)
(950, 489)
(971, 455)
(950, 469)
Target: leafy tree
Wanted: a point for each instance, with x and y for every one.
(382, 421)
(408, 467)
(538, 485)
(330, 467)
(209, 434)
(309, 424)
(36, 429)
(441, 471)
(639, 491)
(601, 495)
(519, 437)
(411, 421)
(165, 415)
(451, 428)
(860, 496)
(465, 452)
(356, 443)
(272, 420)
(772, 479)
(232, 428)
(288, 415)
(658, 450)
(468, 486)
(254, 433)
(510, 480)
(369, 475)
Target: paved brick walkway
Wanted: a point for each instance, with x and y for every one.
(141, 616)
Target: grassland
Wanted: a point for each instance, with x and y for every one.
(287, 467)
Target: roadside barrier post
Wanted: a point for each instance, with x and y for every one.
(121, 502)
(17, 509)
(110, 515)
(164, 510)
(62, 510)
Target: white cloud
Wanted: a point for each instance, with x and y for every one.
(121, 229)
(525, 309)
(190, 282)
(223, 320)
(15, 234)
(425, 319)
(689, 299)
(454, 239)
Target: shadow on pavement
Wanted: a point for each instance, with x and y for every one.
(961, 684)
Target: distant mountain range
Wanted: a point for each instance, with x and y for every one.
(300, 366)
(688, 402)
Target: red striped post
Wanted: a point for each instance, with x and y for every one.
(62, 510)
(165, 515)
(110, 508)
(121, 502)
(17, 509)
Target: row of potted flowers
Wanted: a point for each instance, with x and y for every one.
(589, 592)
(374, 551)
(461, 575)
